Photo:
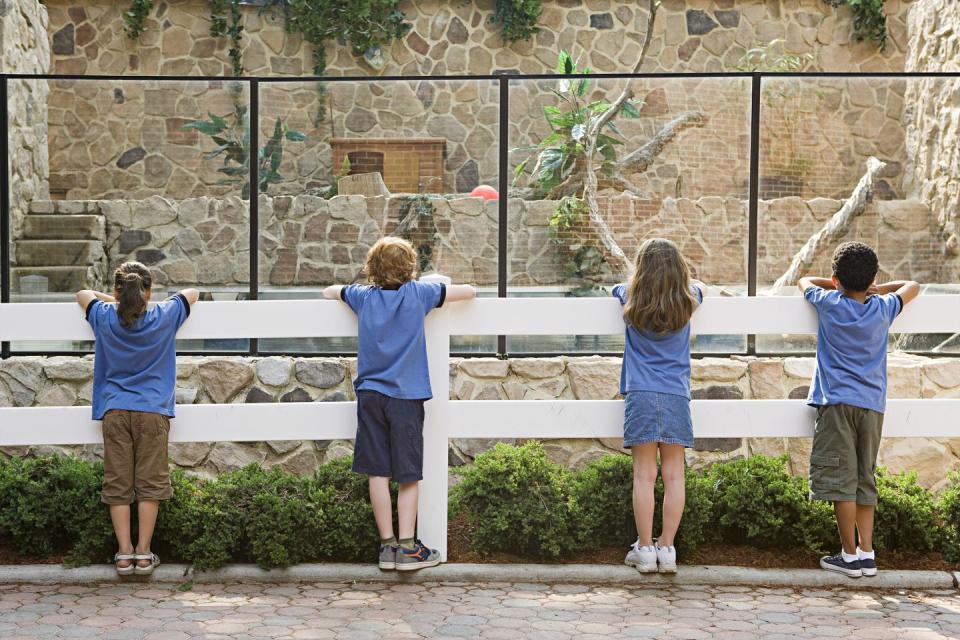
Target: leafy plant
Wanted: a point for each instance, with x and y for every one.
(772, 57)
(420, 228)
(584, 265)
(869, 20)
(219, 27)
(905, 513)
(334, 187)
(232, 136)
(135, 16)
(562, 152)
(948, 510)
(517, 18)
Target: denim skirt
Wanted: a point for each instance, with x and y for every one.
(657, 417)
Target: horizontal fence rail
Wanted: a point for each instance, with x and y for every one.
(447, 419)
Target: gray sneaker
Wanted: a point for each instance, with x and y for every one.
(419, 557)
(388, 556)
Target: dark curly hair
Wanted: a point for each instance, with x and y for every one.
(855, 264)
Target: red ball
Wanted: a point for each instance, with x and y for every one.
(486, 192)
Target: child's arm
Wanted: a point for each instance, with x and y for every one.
(86, 296)
(333, 292)
(190, 295)
(907, 290)
(699, 286)
(458, 292)
(823, 283)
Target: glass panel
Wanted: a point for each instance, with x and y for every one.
(424, 146)
(133, 175)
(680, 155)
(817, 135)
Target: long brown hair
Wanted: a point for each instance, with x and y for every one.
(131, 281)
(391, 262)
(659, 298)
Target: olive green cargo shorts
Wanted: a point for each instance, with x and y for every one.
(843, 462)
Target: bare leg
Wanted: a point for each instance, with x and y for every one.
(382, 507)
(120, 515)
(674, 490)
(644, 477)
(147, 511)
(865, 525)
(846, 512)
(407, 498)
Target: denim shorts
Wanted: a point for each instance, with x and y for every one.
(389, 437)
(657, 417)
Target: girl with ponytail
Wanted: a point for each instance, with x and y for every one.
(134, 384)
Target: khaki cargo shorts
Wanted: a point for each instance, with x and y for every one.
(843, 462)
(135, 457)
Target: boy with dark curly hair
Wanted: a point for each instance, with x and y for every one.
(849, 390)
(392, 384)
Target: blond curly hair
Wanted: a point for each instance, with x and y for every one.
(391, 262)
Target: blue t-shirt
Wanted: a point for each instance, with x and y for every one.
(136, 368)
(655, 362)
(851, 348)
(392, 350)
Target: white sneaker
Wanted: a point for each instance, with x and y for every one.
(643, 558)
(667, 559)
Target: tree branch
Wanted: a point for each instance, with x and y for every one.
(643, 157)
(834, 228)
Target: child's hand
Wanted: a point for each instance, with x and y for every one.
(873, 290)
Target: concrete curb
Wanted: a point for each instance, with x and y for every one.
(535, 573)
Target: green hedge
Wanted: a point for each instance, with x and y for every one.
(516, 499)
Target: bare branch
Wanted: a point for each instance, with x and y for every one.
(834, 228)
(643, 157)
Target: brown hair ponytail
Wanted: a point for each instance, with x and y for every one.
(659, 298)
(131, 281)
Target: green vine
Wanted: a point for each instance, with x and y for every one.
(220, 27)
(584, 266)
(421, 230)
(517, 19)
(135, 16)
(869, 21)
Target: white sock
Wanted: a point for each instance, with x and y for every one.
(866, 555)
(848, 557)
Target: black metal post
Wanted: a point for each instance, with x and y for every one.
(503, 175)
(752, 224)
(4, 207)
(254, 124)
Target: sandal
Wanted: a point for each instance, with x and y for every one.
(147, 570)
(119, 557)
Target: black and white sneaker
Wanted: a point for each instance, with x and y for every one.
(838, 564)
(868, 566)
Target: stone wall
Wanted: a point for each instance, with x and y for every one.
(24, 48)
(932, 116)
(66, 381)
(803, 156)
(306, 241)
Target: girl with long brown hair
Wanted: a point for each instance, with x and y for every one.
(134, 384)
(658, 301)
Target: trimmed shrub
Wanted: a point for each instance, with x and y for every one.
(518, 500)
(948, 508)
(757, 502)
(904, 517)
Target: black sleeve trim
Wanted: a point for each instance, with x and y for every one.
(86, 312)
(343, 294)
(897, 296)
(183, 299)
(443, 295)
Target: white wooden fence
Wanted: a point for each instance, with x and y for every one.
(447, 419)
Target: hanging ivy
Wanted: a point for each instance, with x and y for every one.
(232, 27)
(135, 16)
(869, 20)
(517, 19)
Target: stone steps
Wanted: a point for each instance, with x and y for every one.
(64, 227)
(60, 279)
(58, 253)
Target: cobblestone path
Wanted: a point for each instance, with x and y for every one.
(504, 611)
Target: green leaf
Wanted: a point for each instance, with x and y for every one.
(578, 131)
(564, 62)
(296, 136)
(217, 120)
(582, 87)
(629, 111)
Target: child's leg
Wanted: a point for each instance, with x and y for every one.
(846, 512)
(382, 507)
(674, 490)
(147, 511)
(120, 516)
(407, 499)
(865, 526)
(644, 477)
(119, 477)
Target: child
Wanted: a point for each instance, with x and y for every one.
(655, 381)
(134, 380)
(849, 390)
(392, 384)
